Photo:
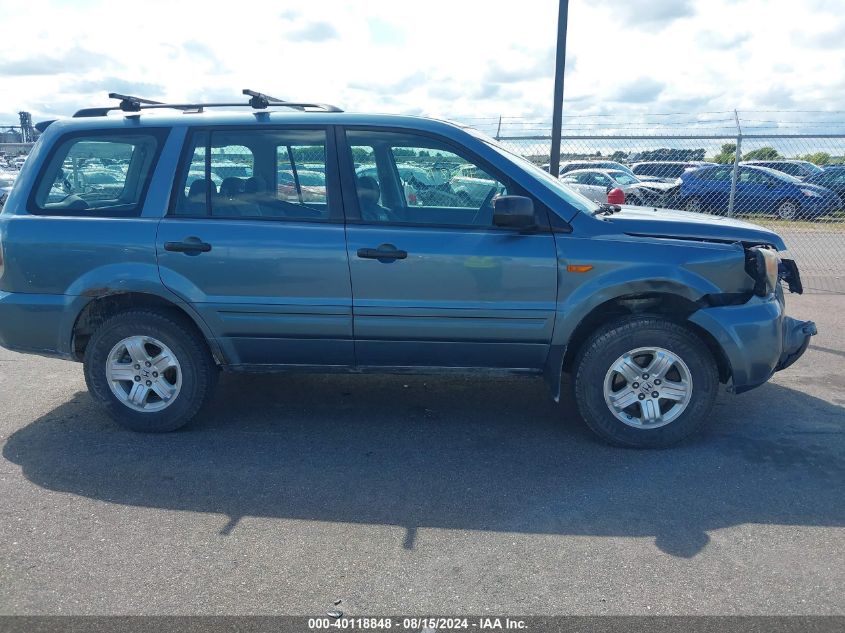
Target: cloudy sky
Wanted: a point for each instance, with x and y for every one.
(460, 59)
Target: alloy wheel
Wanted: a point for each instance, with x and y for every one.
(648, 387)
(144, 374)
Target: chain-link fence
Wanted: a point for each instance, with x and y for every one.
(784, 174)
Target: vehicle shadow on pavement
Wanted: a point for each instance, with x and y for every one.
(454, 453)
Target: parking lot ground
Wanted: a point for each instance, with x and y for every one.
(422, 495)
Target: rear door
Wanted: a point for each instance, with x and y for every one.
(254, 239)
(435, 283)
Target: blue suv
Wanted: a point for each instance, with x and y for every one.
(759, 190)
(200, 246)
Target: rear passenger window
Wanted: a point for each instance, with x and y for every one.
(267, 174)
(101, 175)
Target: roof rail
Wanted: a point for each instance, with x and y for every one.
(258, 101)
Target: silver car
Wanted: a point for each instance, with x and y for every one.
(595, 184)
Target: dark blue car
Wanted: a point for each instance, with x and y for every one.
(832, 178)
(759, 190)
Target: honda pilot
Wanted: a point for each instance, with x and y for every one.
(160, 244)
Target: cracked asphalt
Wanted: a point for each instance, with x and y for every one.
(422, 495)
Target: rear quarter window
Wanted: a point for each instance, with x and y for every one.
(97, 174)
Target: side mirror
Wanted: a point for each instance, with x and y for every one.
(514, 212)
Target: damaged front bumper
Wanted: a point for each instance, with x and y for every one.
(796, 338)
(757, 338)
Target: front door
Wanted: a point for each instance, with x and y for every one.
(254, 240)
(434, 282)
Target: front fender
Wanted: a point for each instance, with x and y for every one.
(625, 265)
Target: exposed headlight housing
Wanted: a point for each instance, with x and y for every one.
(766, 265)
(811, 194)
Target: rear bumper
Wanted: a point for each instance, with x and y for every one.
(757, 339)
(35, 323)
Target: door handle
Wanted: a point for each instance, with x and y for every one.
(189, 246)
(384, 253)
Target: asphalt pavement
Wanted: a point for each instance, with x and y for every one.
(422, 495)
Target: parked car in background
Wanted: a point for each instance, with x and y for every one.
(477, 190)
(7, 179)
(18, 161)
(597, 183)
(802, 169)
(312, 186)
(832, 178)
(572, 165)
(759, 190)
(666, 170)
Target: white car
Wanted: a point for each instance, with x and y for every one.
(595, 184)
(7, 179)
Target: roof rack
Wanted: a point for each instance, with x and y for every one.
(257, 101)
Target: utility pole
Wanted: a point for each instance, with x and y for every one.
(735, 172)
(560, 68)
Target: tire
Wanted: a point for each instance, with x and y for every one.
(594, 379)
(788, 210)
(694, 204)
(188, 372)
(634, 201)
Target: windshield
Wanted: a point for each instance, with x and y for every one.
(623, 178)
(572, 197)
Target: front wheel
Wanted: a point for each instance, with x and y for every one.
(645, 382)
(151, 370)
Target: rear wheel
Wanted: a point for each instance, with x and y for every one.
(645, 382)
(151, 370)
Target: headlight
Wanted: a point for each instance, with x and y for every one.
(767, 271)
(811, 194)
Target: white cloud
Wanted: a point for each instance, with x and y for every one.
(440, 57)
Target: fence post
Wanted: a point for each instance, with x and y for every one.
(735, 173)
(499, 128)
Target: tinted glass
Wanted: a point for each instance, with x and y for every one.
(97, 175)
(268, 174)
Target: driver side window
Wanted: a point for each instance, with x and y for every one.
(406, 178)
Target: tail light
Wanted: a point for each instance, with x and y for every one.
(616, 196)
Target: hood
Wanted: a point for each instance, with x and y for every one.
(655, 185)
(685, 225)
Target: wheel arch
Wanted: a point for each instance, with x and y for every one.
(102, 306)
(673, 307)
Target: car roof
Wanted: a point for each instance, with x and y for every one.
(668, 162)
(168, 118)
(774, 160)
(588, 161)
(600, 170)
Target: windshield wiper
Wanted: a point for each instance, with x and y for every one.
(608, 209)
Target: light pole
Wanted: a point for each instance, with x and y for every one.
(560, 68)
